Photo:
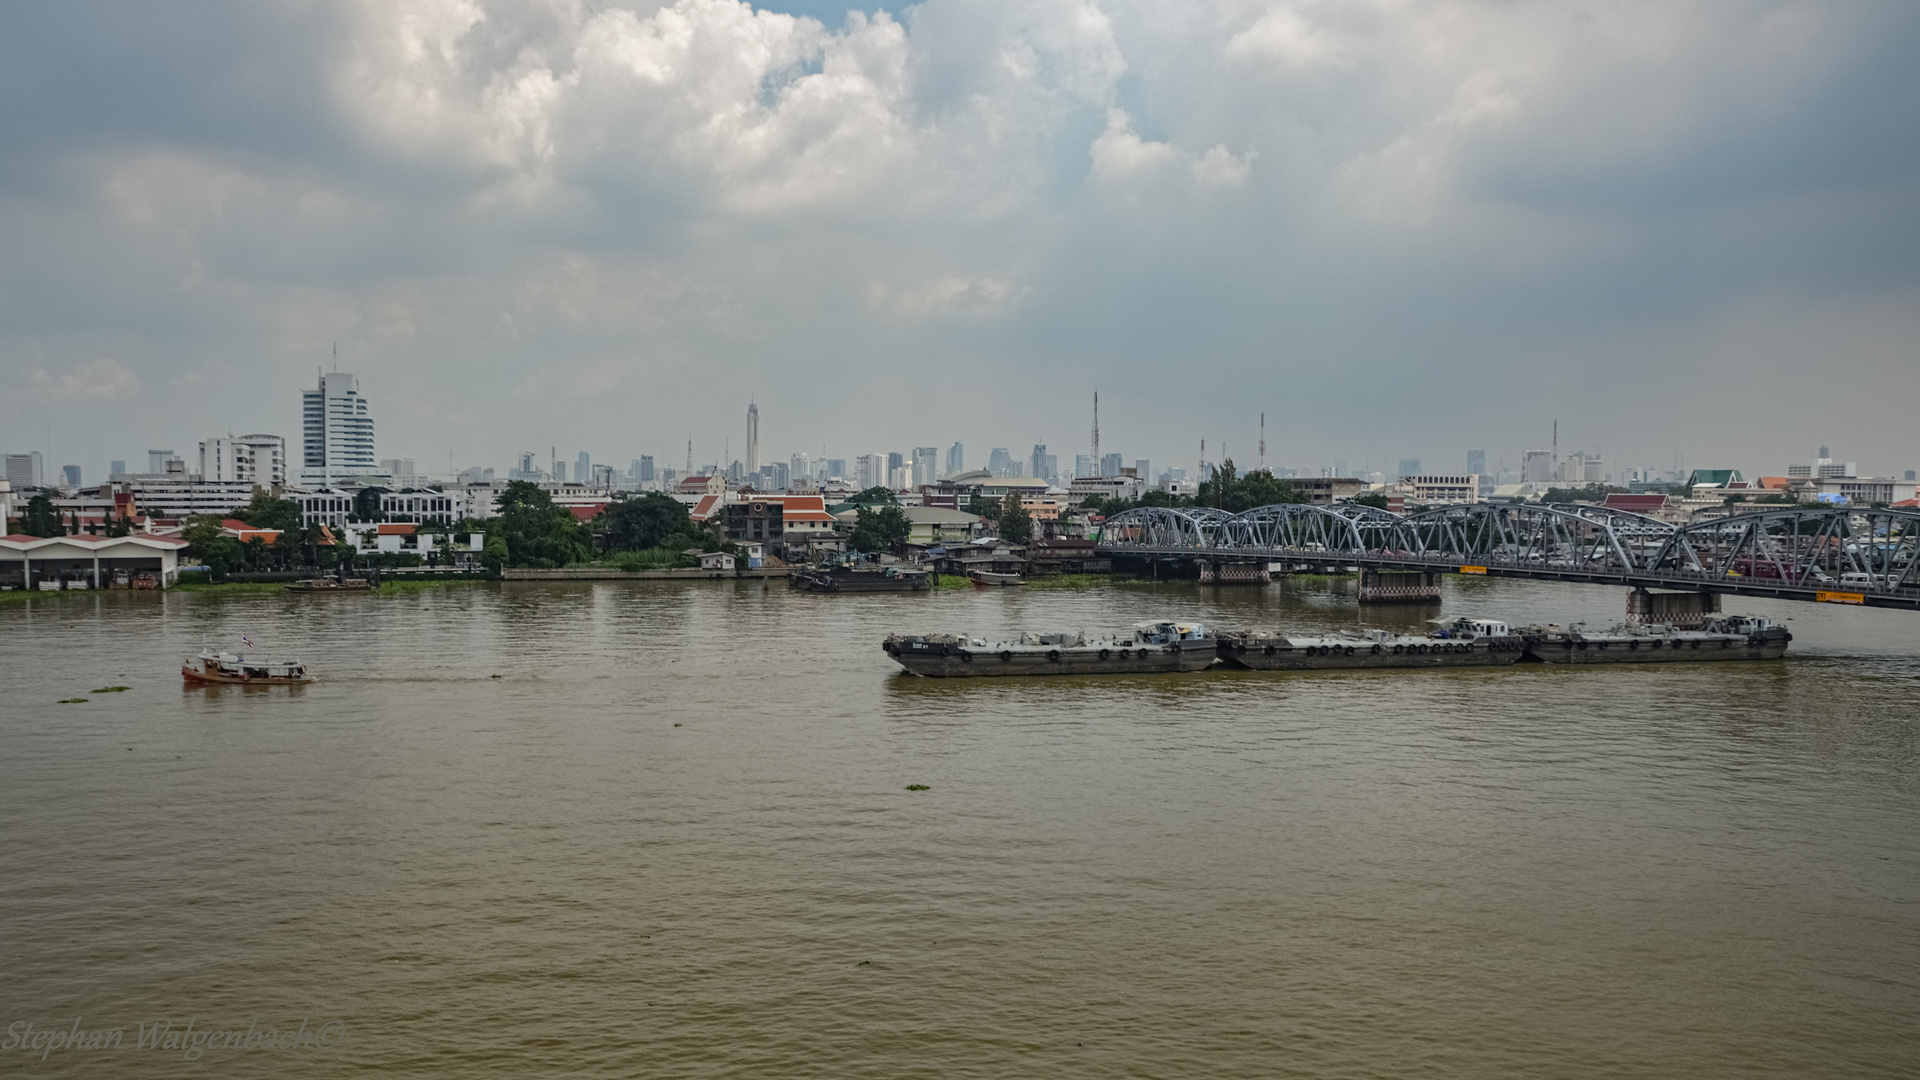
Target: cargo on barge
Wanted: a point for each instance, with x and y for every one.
(1461, 643)
(1151, 648)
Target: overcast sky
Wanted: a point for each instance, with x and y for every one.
(1400, 229)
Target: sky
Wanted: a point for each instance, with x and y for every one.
(1687, 230)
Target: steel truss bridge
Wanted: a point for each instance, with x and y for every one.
(1834, 555)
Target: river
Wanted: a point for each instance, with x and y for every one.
(664, 829)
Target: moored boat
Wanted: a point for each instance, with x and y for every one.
(1151, 647)
(327, 584)
(224, 667)
(988, 578)
(1460, 643)
(1734, 637)
(846, 579)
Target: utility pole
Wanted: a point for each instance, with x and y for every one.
(1263, 442)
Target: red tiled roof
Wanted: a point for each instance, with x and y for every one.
(396, 528)
(586, 513)
(707, 507)
(1636, 504)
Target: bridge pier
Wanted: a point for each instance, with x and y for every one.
(1399, 587)
(1217, 572)
(1685, 610)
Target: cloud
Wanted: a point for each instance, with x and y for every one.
(105, 379)
(662, 202)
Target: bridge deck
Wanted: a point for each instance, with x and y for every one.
(1904, 599)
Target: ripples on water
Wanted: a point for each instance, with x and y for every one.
(1688, 870)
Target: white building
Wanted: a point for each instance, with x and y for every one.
(176, 496)
(25, 471)
(250, 459)
(81, 562)
(1457, 490)
(336, 429)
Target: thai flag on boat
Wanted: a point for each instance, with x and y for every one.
(247, 641)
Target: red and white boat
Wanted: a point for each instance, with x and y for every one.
(225, 667)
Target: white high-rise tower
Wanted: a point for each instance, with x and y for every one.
(753, 439)
(337, 430)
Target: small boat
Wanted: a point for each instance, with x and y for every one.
(225, 667)
(986, 578)
(327, 584)
(1161, 646)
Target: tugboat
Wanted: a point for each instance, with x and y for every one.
(1461, 643)
(1152, 647)
(1735, 637)
(225, 667)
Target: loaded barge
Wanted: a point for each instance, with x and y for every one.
(1174, 646)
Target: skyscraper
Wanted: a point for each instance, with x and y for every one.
(999, 462)
(72, 474)
(1039, 462)
(1109, 464)
(1082, 466)
(753, 437)
(643, 469)
(1143, 469)
(583, 469)
(1477, 462)
(336, 428)
(1409, 466)
(956, 459)
(926, 465)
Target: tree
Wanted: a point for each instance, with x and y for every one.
(1375, 500)
(41, 519)
(1016, 525)
(267, 512)
(875, 496)
(638, 524)
(1233, 493)
(538, 533)
(207, 542)
(366, 504)
(880, 530)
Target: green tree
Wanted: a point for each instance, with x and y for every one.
(1375, 500)
(267, 512)
(1016, 525)
(41, 519)
(205, 541)
(493, 555)
(366, 504)
(880, 530)
(638, 524)
(1229, 491)
(538, 533)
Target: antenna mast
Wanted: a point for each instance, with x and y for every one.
(1096, 434)
(1263, 441)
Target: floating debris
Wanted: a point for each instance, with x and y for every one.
(71, 701)
(918, 787)
(493, 676)
(863, 963)
(108, 690)
(676, 725)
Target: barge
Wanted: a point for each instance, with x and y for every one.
(1150, 648)
(1735, 637)
(1462, 643)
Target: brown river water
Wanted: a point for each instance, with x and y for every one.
(673, 838)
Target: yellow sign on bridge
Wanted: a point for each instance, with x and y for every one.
(1840, 597)
(1473, 569)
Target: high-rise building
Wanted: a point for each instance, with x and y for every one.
(1537, 467)
(559, 472)
(116, 470)
(1110, 465)
(926, 465)
(1142, 468)
(836, 469)
(1082, 466)
(799, 467)
(1477, 462)
(226, 460)
(583, 469)
(895, 460)
(999, 462)
(642, 470)
(753, 437)
(1409, 466)
(869, 470)
(956, 459)
(1039, 462)
(337, 429)
(72, 474)
(157, 462)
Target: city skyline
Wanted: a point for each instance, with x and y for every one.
(1394, 236)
